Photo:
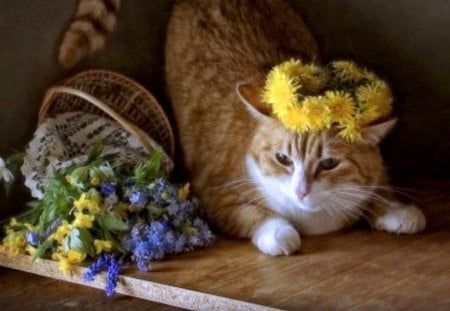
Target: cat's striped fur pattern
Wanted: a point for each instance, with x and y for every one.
(256, 179)
(93, 22)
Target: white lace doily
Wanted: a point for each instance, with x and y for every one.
(68, 138)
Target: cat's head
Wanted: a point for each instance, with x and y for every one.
(315, 170)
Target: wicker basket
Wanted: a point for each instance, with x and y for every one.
(112, 95)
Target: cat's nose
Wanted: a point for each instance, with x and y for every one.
(302, 191)
(302, 194)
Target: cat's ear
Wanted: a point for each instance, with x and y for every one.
(250, 95)
(374, 134)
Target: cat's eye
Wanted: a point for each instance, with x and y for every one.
(329, 163)
(283, 159)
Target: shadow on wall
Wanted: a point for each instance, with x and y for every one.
(407, 43)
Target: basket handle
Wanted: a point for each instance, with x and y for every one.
(133, 130)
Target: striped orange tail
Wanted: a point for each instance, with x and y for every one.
(93, 23)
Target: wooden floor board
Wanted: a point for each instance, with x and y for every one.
(358, 269)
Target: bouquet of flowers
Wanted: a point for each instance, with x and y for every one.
(110, 216)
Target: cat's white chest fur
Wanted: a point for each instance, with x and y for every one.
(279, 199)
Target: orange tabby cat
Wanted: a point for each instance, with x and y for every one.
(256, 179)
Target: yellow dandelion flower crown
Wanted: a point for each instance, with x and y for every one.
(349, 96)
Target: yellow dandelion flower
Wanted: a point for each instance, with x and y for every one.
(65, 266)
(313, 79)
(102, 246)
(85, 203)
(83, 220)
(183, 192)
(75, 256)
(280, 89)
(341, 105)
(15, 243)
(317, 113)
(58, 255)
(375, 101)
(292, 67)
(30, 250)
(61, 232)
(295, 120)
(351, 131)
(369, 75)
(348, 71)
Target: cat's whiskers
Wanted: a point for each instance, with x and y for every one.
(403, 191)
(347, 206)
(235, 183)
(362, 194)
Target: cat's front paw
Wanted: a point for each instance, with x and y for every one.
(400, 218)
(276, 237)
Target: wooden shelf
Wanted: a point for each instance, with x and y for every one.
(355, 269)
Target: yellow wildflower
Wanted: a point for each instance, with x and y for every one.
(58, 255)
(30, 250)
(83, 220)
(317, 113)
(15, 243)
(61, 232)
(85, 203)
(65, 266)
(75, 256)
(351, 131)
(341, 105)
(375, 101)
(295, 120)
(280, 90)
(348, 71)
(313, 79)
(102, 246)
(183, 192)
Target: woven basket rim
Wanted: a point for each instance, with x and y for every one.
(65, 87)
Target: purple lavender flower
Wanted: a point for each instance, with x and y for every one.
(163, 192)
(204, 234)
(52, 228)
(138, 198)
(111, 265)
(173, 225)
(112, 276)
(107, 189)
(33, 238)
(96, 267)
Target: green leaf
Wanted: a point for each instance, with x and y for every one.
(81, 240)
(111, 222)
(42, 249)
(57, 201)
(95, 153)
(146, 172)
